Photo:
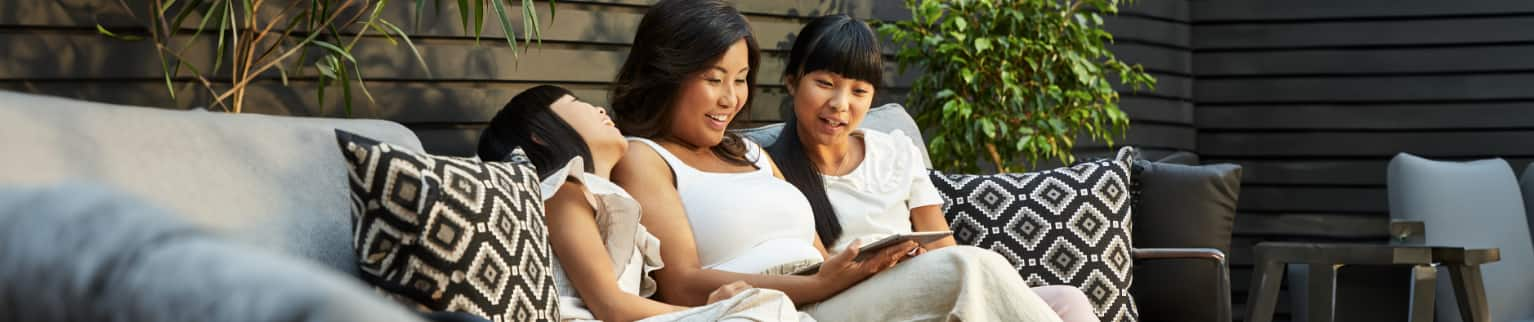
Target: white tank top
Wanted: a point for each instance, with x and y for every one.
(743, 222)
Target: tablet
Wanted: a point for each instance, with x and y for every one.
(872, 248)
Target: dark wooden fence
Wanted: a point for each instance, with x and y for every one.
(1313, 97)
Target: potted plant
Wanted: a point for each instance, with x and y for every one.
(1009, 79)
(260, 37)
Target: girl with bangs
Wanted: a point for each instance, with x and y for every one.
(863, 184)
(721, 208)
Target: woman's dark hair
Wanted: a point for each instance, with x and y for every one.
(677, 39)
(528, 122)
(837, 44)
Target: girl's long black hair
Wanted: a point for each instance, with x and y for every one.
(528, 121)
(837, 44)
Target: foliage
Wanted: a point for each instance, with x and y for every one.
(260, 37)
(1005, 78)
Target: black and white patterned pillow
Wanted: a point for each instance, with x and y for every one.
(449, 233)
(1064, 226)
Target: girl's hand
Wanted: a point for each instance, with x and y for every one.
(914, 252)
(841, 272)
(728, 291)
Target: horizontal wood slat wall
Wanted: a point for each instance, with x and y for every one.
(51, 47)
(1313, 97)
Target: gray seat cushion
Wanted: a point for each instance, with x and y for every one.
(275, 182)
(83, 253)
(885, 118)
(1472, 204)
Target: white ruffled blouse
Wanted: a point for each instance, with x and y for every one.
(633, 250)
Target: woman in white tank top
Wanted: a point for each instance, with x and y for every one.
(718, 204)
(603, 256)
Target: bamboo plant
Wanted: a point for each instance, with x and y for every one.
(260, 36)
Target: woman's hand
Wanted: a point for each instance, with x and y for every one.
(841, 272)
(728, 291)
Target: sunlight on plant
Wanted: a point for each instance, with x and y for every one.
(260, 37)
(1012, 79)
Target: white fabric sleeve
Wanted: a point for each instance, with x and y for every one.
(922, 193)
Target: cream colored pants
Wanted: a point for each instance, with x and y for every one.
(957, 283)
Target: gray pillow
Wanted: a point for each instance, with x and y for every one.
(81, 253)
(1181, 206)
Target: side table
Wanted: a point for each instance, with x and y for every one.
(1325, 258)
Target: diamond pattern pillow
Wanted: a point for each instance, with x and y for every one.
(1065, 226)
(451, 234)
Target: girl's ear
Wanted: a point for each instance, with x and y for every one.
(791, 83)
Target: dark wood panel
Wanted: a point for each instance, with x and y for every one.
(1311, 172)
(1327, 172)
(1151, 136)
(1366, 33)
(1366, 144)
(576, 21)
(73, 55)
(454, 141)
(1304, 225)
(1158, 110)
(1138, 28)
(1313, 200)
(884, 10)
(399, 102)
(1167, 86)
(1247, 10)
(1155, 58)
(1432, 88)
(1496, 58)
(1176, 10)
(1373, 117)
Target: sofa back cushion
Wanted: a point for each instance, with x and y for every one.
(1182, 206)
(269, 181)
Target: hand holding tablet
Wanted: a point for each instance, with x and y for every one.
(873, 248)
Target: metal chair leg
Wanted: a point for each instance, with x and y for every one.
(1263, 296)
(1423, 290)
(1322, 290)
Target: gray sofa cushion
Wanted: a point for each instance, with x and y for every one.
(1181, 206)
(885, 118)
(274, 182)
(82, 253)
(1471, 204)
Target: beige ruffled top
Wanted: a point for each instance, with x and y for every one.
(633, 250)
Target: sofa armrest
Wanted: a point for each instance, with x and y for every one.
(1213, 256)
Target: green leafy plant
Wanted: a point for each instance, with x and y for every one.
(1012, 78)
(259, 37)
